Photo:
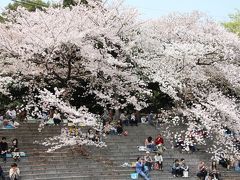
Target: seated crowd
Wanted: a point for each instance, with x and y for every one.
(188, 143)
(9, 118)
(211, 174)
(179, 168)
(115, 126)
(13, 150)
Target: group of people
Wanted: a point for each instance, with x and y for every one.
(113, 124)
(155, 145)
(93, 135)
(188, 143)
(113, 128)
(180, 168)
(227, 162)
(74, 131)
(8, 119)
(14, 172)
(13, 150)
(185, 145)
(211, 174)
(147, 163)
(53, 116)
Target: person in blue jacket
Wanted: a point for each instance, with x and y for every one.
(141, 169)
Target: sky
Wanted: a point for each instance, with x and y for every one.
(151, 9)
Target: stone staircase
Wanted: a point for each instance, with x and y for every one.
(101, 163)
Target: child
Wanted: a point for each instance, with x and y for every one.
(159, 160)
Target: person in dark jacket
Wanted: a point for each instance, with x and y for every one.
(2, 175)
(4, 149)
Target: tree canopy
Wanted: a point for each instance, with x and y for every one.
(234, 24)
(30, 5)
(113, 56)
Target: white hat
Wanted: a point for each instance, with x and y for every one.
(147, 152)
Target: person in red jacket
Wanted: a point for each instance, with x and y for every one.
(159, 140)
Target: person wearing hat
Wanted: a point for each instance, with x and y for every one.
(148, 160)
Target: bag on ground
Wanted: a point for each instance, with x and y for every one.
(134, 176)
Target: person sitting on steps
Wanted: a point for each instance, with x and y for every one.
(159, 140)
(119, 128)
(150, 144)
(109, 129)
(183, 168)
(236, 164)
(56, 117)
(15, 150)
(148, 161)
(214, 173)
(2, 175)
(159, 160)
(224, 161)
(14, 172)
(97, 137)
(133, 120)
(176, 168)
(124, 118)
(202, 171)
(4, 149)
(90, 134)
(141, 169)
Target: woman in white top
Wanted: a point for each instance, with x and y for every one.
(148, 160)
(159, 160)
(56, 117)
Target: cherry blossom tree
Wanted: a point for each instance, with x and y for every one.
(196, 62)
(60, 47)
(63, 46)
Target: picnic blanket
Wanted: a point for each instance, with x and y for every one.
(142, 148)
(22, 154)
(50, 122)
(9, 126)
(126, 164)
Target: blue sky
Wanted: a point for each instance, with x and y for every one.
(217, 9)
